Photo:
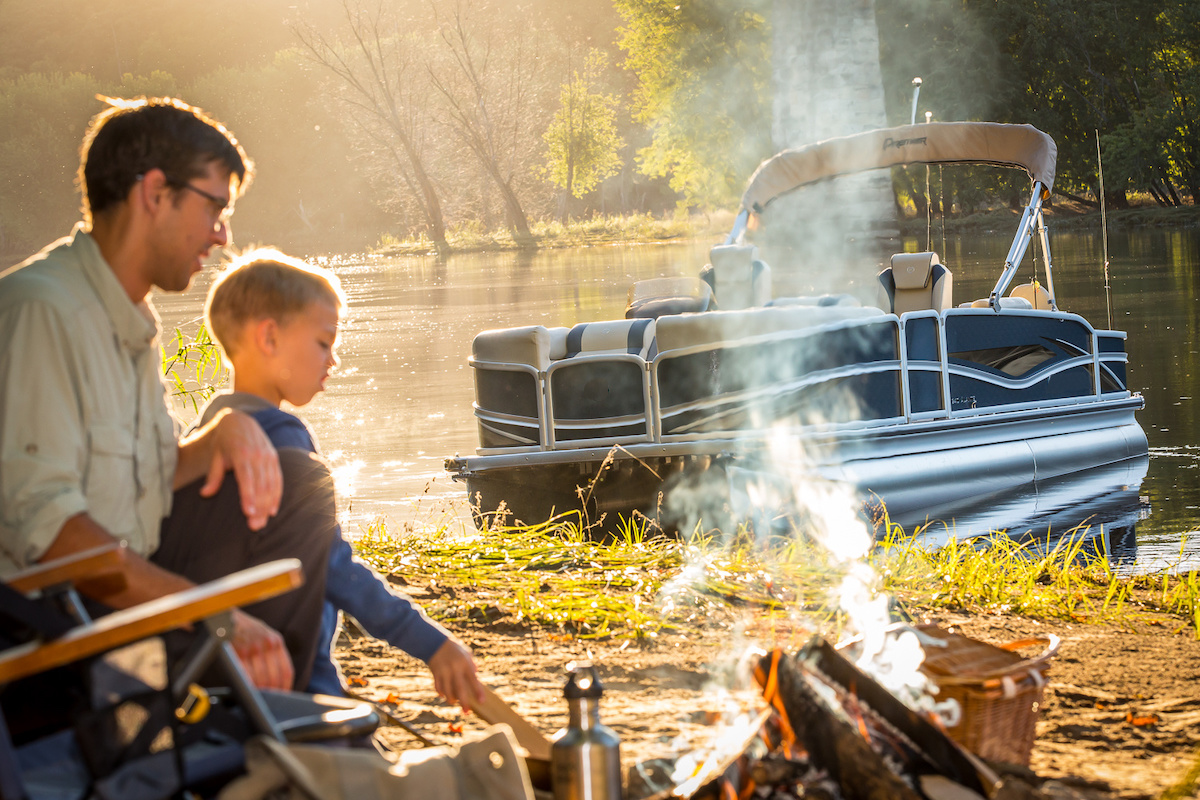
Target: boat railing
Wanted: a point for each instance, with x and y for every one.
(581, 430)
(1031, 222)
(913, 368)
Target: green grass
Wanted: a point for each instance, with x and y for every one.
(554, 575)
(637, 585)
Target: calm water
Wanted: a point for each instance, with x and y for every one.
(401, 401)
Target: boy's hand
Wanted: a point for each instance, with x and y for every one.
(453, 669)
(261, 650)
(239, 444)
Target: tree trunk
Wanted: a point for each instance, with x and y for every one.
(1171, 190)
(429, 202)
(1157, 194)
(1083, 201)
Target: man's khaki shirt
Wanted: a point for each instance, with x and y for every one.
(84, 423)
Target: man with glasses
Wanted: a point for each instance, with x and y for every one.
(89, 451)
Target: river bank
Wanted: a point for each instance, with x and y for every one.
(665, 620)
(1119, 717)
(602, 231)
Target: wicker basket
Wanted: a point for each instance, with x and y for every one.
(998, 690)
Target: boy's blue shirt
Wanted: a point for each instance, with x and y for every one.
(350, 585)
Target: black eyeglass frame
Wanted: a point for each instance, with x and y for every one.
(221, 207)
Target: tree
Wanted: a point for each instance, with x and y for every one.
(381, 77)
(703, 69)
(487, 91)
(583, 146)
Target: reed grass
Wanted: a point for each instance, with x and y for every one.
(193, 367)
(638, 585)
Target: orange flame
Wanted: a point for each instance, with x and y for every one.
(769, 681)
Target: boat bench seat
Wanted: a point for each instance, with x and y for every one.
(539, 347)
(631, 336)
(689, 330)
(532, 345)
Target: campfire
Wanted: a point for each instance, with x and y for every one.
(830, 731)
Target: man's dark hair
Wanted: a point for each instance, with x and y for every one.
(132, 137)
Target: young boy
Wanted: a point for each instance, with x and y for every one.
(276, 320)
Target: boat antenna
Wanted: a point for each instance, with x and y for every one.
(1104, 232)
(929, 200)
(916, 84)
(942, 206)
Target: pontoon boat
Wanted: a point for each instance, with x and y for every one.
(919, 400)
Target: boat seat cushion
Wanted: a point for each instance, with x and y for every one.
(916, 282)
(737, 277)
(688, 330)
(632, 336)
(656, 297)
(534, 345)
(1035, 293)
(1005, 302)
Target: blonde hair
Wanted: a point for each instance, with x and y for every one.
(266, 284)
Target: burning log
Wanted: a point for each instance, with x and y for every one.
(872, 745)
(831, 731)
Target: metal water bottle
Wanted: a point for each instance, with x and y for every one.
(585, 757)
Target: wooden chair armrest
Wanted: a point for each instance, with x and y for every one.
(152, 618)
(85, 566)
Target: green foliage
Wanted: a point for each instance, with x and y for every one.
(698, 113)
(193, 368)
(703, 69)
(583, 146)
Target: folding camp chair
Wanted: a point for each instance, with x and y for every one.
(44, 600)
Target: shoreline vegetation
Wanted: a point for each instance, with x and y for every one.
(552, 590)
(637, 584)
(611, 230)
(647, 229)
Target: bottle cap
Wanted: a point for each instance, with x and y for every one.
(584, 682)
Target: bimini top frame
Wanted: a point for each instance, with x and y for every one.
(1020, 146)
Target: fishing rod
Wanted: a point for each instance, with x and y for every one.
(1104, 232)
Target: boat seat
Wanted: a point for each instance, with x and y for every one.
(737, 277)
(656, 297)
(690, 330)
(532, 345)
(1035, 293)
(1005, 302)
(916, 282)
(632, 336)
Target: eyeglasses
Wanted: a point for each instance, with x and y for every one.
(221, 207)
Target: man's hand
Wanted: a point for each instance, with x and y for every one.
(261, 650)
(453, 669)
(235, 441)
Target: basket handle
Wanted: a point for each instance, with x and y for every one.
(1052, 643)
(1028, 665)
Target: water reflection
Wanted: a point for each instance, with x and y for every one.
(401, 402)
(1102, 505)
